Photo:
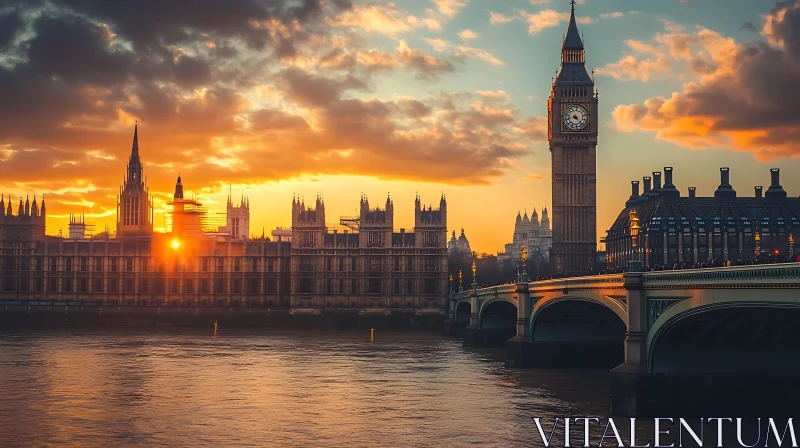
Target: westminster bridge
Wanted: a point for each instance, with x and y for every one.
(742, 320)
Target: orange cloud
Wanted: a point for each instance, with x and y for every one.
(743, 96)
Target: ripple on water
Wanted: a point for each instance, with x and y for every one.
(96, 389)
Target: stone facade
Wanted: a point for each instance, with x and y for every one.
(316, 267)
(532, 234)
(28, 223)
(691, 230)
(373, 267)
(459, 245)
(573, 125)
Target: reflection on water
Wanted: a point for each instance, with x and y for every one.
(71, 388)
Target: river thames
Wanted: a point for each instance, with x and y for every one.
(90, 388)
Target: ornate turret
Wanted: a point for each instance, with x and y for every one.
(134, 206)
(178, 189)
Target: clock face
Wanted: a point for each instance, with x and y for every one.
(576, 117)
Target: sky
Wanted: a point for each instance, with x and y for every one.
(276, 98)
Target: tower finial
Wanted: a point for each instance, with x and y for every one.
(135, 146)
(572, 2)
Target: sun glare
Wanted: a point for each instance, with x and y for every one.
(176, 244)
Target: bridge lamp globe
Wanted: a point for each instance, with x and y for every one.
(176, 244)
(634, 228)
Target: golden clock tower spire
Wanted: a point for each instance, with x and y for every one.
(572, 117)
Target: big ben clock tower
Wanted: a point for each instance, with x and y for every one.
(572, 117)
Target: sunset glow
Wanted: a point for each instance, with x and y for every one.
(420, 96)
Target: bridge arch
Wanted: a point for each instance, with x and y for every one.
(611, 304)
(740, 335)
(577, 331)
(462, 312)
(498, 321)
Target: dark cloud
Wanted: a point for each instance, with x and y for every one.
(152, 23)
(10, 23)
(750, 26)
(244, 91)
(312, 90)
(76, 50)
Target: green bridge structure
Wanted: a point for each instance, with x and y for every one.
(697, 329)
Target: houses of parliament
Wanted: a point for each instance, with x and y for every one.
(368, 265)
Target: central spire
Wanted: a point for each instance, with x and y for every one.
(135, 147)
(134, 164)
(572, 40)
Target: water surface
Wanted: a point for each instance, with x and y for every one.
(81, 388)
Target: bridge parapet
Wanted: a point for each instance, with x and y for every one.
(592, 282)
(755, 276)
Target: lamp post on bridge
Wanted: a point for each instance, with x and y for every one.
(474, 275)
(791, 246)
(523, 277)
(632, 376)
(460, 281)
(472, 334)
(634, 265)
(519, 351)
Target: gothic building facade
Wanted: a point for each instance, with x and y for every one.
(692, 230)
(134, 204)
(375, 267)
(28, 223)
(459, 245)
(529, 233)
(572, 133)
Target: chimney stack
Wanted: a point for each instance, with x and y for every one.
(634, 193)
(759, 192)
(692, 192)
(667, 176)
(646, 184)
(669, 190)
(724, 190)
(724, 176)
(656, 180)
(775, 191)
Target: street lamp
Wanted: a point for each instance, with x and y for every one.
(460, 281)
(524, 256)
(758, 244)
(474, 275)
(791, 245)
(633, 265)
(451, 283)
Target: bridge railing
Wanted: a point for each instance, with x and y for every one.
(777, 275)
(595, 281)
(766, 274)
